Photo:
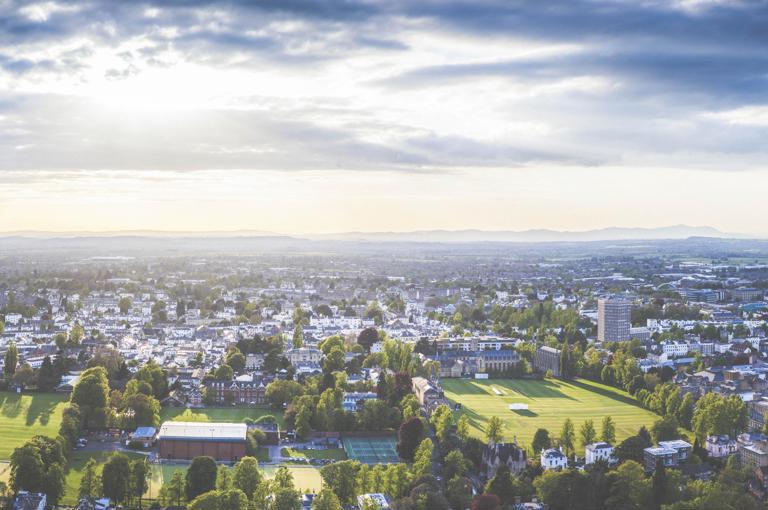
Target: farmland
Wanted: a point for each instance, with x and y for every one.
(550, 403)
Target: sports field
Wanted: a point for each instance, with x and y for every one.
(305, 478)
(549, 401)
(28, 414)
(372, 450)
(220, 414)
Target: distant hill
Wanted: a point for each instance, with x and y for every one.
(532, 236)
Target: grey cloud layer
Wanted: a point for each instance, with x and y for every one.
(671, 64)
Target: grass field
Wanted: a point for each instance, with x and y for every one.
(550, 403)
(26, 415)
(331, 453)
(305, 478)
(220, 414)
(75, 468)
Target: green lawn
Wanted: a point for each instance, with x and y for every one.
(219, 414)
(550, 403)
(331, 453)
(75, 467)
(305, 478)
(26, 415)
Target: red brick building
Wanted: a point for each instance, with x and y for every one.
(187, 440)
(238, 392)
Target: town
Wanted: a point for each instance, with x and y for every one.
(532, 377)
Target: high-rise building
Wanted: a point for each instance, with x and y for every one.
(613, 320)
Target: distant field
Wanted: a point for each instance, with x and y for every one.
(550, 403)
(220, 414)
(26, 415)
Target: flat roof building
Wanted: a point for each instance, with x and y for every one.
(187, 440)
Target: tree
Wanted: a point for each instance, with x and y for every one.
(181, 309)
(665, 429)
(24, 376)
(629, 488)
(224, 373)
(201, 477)
(76, 335)
(298, 336)
(326, 500)
(367, 338)
(90, 483)
(455, 464)
(37, 466)
(339, 477)
(587, 433)
(541, 440)
(502, 485)
(91, 394)
(442, 420)
(139, 483)
(286, 499)
(334, 360)
(631, 449)
(124, 305)
(462, 427)
(143, 411)
(116, 478)
(459, 492)
(493, 430)
(11, 360)
(422, 460)
(567, 436)
(247, 476)
(47, 376)
(608, 433)
(27, 468)
(224, 479)
(563, 490)
(280, 392)
(408, 438)
(716, 414)
(236, 360)
(174, 491)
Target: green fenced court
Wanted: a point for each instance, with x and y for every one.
(372, 450)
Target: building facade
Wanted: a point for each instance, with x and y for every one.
(613, 320)
(187, 440)
(547, 358)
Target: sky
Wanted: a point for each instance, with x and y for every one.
(299, 116)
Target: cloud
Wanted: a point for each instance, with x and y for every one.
(433, 85)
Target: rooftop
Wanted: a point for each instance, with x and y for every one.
(203, 431)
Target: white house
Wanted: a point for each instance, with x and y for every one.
(553, 459)
(720, 446)
(598, 451)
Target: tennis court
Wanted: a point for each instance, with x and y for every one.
(371, 450)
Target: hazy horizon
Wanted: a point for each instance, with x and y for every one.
(367, 116)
